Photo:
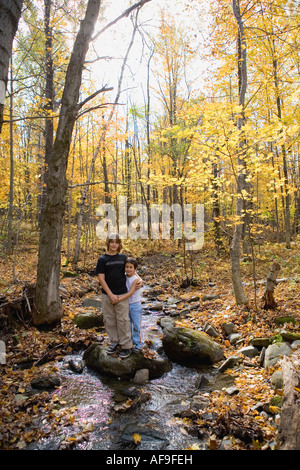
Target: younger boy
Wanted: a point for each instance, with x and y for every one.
(135, 306)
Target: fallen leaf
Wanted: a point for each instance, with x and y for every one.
(137, 438)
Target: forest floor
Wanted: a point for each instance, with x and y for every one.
(162, 269)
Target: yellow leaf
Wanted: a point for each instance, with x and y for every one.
(137, 438)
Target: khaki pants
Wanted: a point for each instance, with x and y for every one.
(116, 321)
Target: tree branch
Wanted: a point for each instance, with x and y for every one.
(125, 13)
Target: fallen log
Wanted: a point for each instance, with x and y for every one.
(268, 297)
(289, 426)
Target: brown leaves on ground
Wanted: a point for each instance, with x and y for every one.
(20, 412)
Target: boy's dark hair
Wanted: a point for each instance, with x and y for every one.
(132, 260)
(111, 237)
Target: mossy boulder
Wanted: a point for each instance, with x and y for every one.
(96, 358)
(189, 347)
(88, 320)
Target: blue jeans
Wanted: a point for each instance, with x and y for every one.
(135, 315)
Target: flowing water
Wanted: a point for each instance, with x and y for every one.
(91, 397)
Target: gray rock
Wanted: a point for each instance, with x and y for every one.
(211, 331)
(277, 380)
(158, 306)
(274, 352)
(141, 376)
(199, 402)
(96, 358)
(201, 381)
(234, 337)
(172, 301)
(230, 362)
(46, 382)
(2, 353)
(76, 366)
(92, 302)
(232, 390)
(249, 351)
(228, 328)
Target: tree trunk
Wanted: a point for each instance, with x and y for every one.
(49, 95)
(10, 235)
(47, 302)
(235, 248)
(10, 12)
(289, 427)
(268, 297)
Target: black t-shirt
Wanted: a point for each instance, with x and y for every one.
(113, 267)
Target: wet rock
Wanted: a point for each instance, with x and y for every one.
(201, 381)
(46, 382)
(152, 436)
(199, 402)
(141, 377)
(76, 366)
(189, 347)
(97, 359)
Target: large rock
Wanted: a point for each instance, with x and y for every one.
(275, 352)
(189, 347)
(89, 320)
(97, 359)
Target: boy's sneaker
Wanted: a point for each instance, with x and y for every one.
(124, 353)
(112, 348)
(137, 350)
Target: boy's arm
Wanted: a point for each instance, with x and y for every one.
(129, 294)
(139, 283)
(103, 284)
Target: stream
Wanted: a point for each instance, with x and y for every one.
(93, 396)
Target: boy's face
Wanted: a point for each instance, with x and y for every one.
(113, 245)
(129, 269)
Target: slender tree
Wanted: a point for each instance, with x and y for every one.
(10, 13)
(241, 177)
(47, 300)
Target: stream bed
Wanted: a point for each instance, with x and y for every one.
(92, 398)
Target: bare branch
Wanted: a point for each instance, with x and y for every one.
(125, 13)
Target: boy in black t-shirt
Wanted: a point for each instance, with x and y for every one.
(111, 274)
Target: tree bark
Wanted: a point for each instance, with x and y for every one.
(10, 13)
(268, 297)
(289, 427)
(48, 307)
(241, 177)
